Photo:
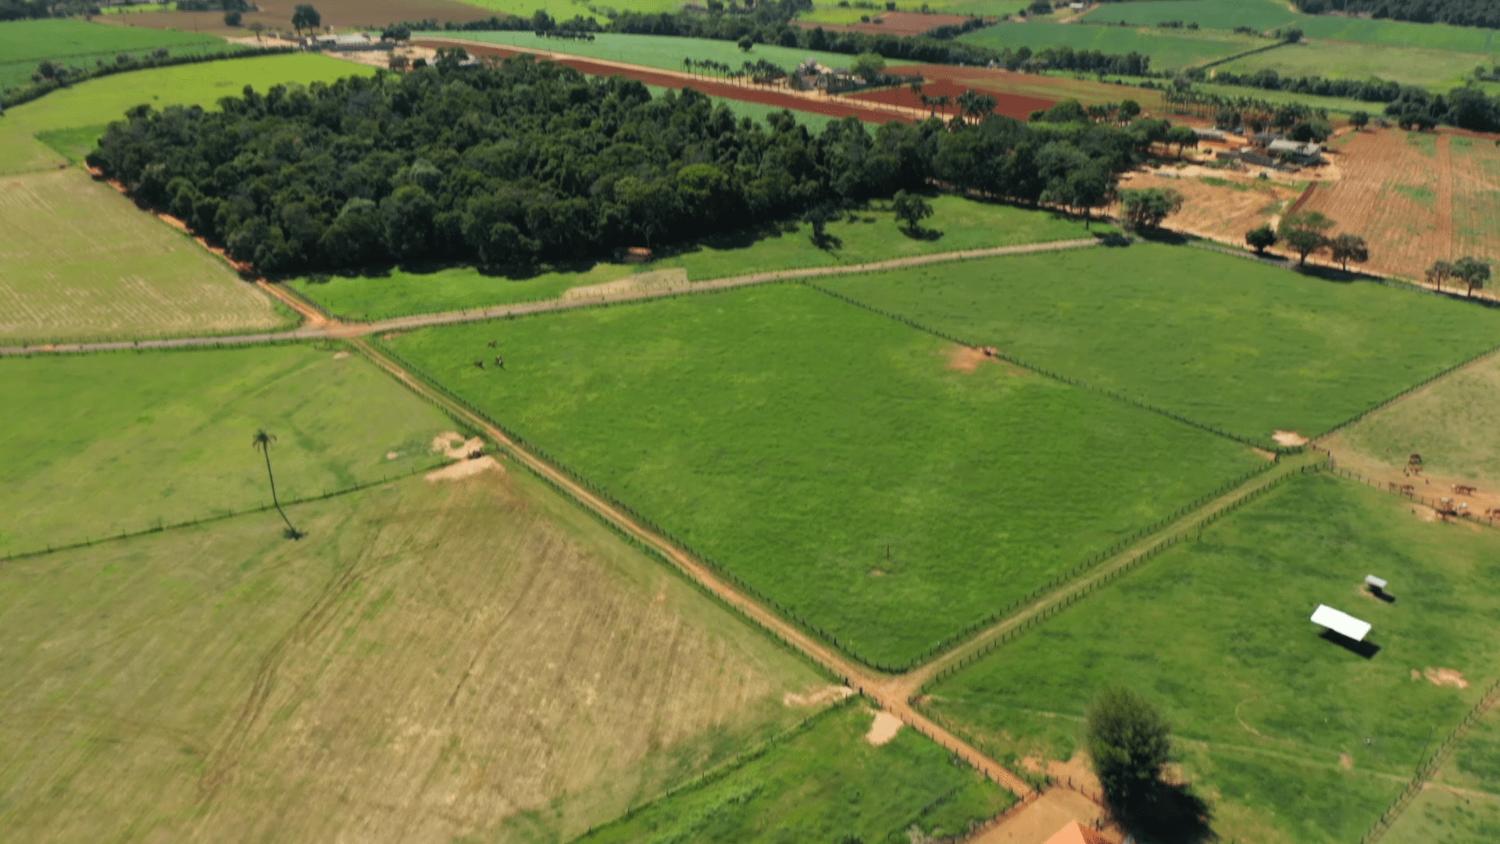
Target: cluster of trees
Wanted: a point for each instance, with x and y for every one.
(1461, 12)
(1144, 210)
(1307, 233)
(1468, 107)
(528, 161)
(1470, 271)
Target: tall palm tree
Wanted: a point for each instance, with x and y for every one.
(262, 441)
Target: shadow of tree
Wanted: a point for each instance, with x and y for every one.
(1171, 814)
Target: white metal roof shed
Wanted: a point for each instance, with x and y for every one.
(1340, 622)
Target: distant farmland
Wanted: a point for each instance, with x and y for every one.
(78, 44)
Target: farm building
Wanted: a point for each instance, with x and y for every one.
(1076, 833)
(346, 42)
(1308, 153)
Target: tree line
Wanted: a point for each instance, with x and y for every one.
(1484, 13)
(524, 162)
(1467, 107)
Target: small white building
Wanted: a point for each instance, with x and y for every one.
(1341, 623)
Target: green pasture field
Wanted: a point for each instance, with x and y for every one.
(869, 234)
(94, 445)
(80, 44)
(1290, 736)
(1451, 423)
(138, 8)
(886, 486)
(829, 11)
(659, 51)
(826, 782)
(1266, 15)
(100, 101)
(82, 262)
(1152, 99)
(1438, 70)
(1462, 803)
(1168, 49)
(460, 659)
(563, 10)
(1219, 339)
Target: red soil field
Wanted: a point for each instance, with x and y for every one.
(890, 23)
(831, 106)
(1019, 106)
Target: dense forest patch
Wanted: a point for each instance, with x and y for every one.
(518, 162)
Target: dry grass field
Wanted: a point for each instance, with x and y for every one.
(1416, 198)
(1214, 206)
(469, 659)
(82, 262)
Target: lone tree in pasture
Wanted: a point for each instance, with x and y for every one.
(233, 18)
(258, 28)
(304, 16)
(1144, 210)
(1439, 272)
(1348, 247)
(262, 441)
(746, 44)
(1473, 272)
(1359, 120)
(1127, 740)
(1304, 233)
(911, 210)
(1261, 238)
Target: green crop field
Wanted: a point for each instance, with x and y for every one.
(563, 10)
(1450, 423)
(660, 51)
(99, 444)
(82, 262)
(462, 659)
(1168, 49)
(869, 234)
(1439, 70)
(826, 782)
(878, 482)
(1265, 15)
(1289, 735)
(100, 101)
(80, 44)
(1219, 339)
(1462, 803)
(830, 12)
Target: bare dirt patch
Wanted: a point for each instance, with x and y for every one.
(965, 359)
(883, 728)
(642, 284)
(1218, 205)
(463, 469)
(1450, 677)
(1289, 438)
(1346, 761)
(453, 446)
(817, 697)
(341, 355)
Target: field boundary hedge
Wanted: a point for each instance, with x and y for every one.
(1056, 376)
(1429, 767)
(1264, 48)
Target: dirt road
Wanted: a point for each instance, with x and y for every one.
(321, 327)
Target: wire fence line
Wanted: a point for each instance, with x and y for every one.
(1054, 375)
(1443, 373)
(162, 527)
(1429, 766)
(1066, 600)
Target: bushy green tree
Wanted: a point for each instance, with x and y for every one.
(1261, 238)
(1145, 210)
(1129, 744)
(1304, 233)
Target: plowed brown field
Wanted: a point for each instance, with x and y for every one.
(1018, 106)
(1416, 198)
